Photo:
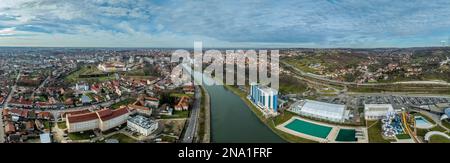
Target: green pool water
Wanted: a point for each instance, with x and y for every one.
(309, 128)
(346, 135)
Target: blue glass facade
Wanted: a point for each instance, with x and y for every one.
(265, 98)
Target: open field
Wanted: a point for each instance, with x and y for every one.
(122, 138)
(82, 75)
(374, 131)
(439, 139)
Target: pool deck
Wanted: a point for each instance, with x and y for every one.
(331, 136)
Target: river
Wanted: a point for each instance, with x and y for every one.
(233, 122)
(231, 119)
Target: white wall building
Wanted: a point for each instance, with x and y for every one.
(112, 118)
(376, 111)
(82, 122)
(104, 120)
(142, 125)
(264, 97)
(322, 110)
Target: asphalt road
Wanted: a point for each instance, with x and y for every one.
(191, 129)
(5, 106)
(320, 78)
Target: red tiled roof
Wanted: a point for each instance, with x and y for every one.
(44, 114)
(138, 107)
(9, 127)
(24, 113)
(151, 98)
(5, 112)
(107, 114)
(75, 112)
(81, 117)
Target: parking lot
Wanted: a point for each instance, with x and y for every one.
(402, 100)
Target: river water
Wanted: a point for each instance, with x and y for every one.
(231, 119)
(233, 122)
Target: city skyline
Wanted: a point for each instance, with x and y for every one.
(271, 24)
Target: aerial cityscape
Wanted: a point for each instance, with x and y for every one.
(104, 72)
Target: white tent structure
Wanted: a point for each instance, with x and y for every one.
(322, 110)
(446, 114)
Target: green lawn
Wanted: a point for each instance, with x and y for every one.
(285, 116)
(446, 124)
(202, 119)
(374, 132)
(62, 125)
(48, 125)
(403, 136)
(439, 139)
(122, 138)
(422, 132)
(81, 136)
(290, 84)
(124, 102)
(86, 70)
(177, 114)
(168, 139)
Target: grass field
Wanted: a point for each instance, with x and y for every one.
(74, 77)
(81, 136)
(374, 132)
(422, 132)
(177, 114)
(446, 123)
(48, 125)
(403, 136)
(123, 102)
(62, 125)
(439, 139)
(201, 122)
(122, 138)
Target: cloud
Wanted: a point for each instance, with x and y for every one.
(331, 23)
(7, 31)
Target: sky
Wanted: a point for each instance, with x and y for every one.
(224, 23)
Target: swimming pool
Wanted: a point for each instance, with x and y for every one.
(421, 122)
(309, 128)
(346, 135)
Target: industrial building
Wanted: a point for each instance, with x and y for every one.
(321, 110)
(377, 111)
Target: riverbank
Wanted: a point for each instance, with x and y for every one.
(269, 122)
(204, 131)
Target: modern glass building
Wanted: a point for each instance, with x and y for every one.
(264, 97)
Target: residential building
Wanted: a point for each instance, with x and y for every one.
(82, 122)
(142, 125)
(112, 118)
(264, 97)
